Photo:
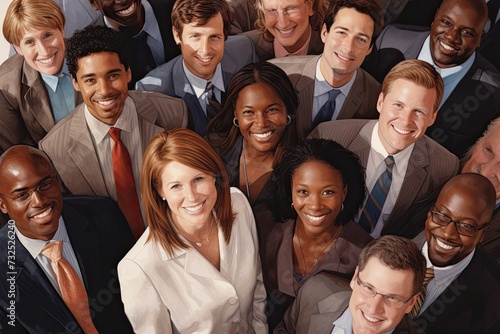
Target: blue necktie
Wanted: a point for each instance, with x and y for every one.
(375, 202)
(326, 112)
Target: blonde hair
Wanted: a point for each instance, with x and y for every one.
(188, 148)
(24, 15)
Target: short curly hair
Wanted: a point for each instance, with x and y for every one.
(331, 153)
(95, 39)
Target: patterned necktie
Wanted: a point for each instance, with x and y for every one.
(326, 112)
(72, 290)
(125, 185)
(213, 106)
(429, 274)
(376, 199)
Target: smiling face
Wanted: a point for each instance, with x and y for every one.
(43, 49)
(37, 217)
(121, 13)
(346, 45)
(202, 47)
(455, 32)
(103, 80)
(371, 315)
(445, 245)
(261, 115)
(485, 159)
(317, 195)
(291, 31)
(405, 114)
(190, 194)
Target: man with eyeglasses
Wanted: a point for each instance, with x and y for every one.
(385, 286)
(93, 235)
(463, 290)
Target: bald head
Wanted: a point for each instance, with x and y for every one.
(22, 153)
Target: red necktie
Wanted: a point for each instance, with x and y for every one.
(125, 185)
(72, 290)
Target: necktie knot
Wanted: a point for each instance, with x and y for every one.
(53, 250)
(389, 162)
(114, 133)
(332, 94)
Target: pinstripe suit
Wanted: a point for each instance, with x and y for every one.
(360, 102)
(429, 168)
(70, 147)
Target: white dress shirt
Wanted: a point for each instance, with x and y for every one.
(199, 85)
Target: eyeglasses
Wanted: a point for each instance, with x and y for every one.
(390, 301)
(43, 187)
(462, 228)
(293, 11)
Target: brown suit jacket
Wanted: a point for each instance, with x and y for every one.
(361, 102)
(25, 110)
(70, 147)
(430, 166)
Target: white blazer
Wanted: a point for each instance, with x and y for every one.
(185, 293)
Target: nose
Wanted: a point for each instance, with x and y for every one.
(348, 45)
(450, 231)
(453, 35)
(37, 199)
(282, 18)
(260, 119)
(204, 46)
(489, 169)
(42, 48)
(375, 305)
(314, 202)
(191, 193)
(103, 87)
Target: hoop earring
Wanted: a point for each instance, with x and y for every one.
(288, 119)
(291, 205)
(235, 122)
(342, 207)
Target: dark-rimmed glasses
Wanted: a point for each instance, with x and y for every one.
(462, 228)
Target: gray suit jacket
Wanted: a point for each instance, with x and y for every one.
(25, 110)
(170, 78)
(361, 102)
(70, 147)
(265, 49)
(471, 106)
(429, 168)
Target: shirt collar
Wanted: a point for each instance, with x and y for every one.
(280, 51)
(322, 87)
(99, 130)
(199, 85)
(35, 246)
(401, 159)
(442, 274)
(53, 80)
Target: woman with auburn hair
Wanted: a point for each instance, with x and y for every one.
(196, 268)
(318, 188)
(255, 125)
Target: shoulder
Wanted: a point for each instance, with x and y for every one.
(12, 65)
(355, 235)
(239, 202)
(339, 128)
(157, 99)
(161, 79)
(293, 63)
(93, 207)
(439, 157)
(482, 70)
(63, 129)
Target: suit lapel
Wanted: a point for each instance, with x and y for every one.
(305, 90)
(362, 142)
(354, 98)
(329, 310)
(147, 116)
(83, 153)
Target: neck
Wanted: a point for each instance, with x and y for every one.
(323, 236)
(333, 78)
(253, 155)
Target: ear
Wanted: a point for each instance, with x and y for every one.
(94, 5)
(324, 33)
(354, 277)
(3, 207)
(411, 303)
(75, 83)
(129, 74)
(311, 9)
(433, 118)
(369, 50)
(380, 101)
(177, 36)
(18, 49)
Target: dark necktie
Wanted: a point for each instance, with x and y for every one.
(375, 202)
(429, 274)
(141, 57)
(125, 185)
(326, 112)
(213, 106)
(72, 290)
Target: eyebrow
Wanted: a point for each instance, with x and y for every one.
(27, 188)
(88, 75)
(357, 34)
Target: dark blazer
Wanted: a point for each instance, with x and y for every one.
(70, 147)
(170, 79)
(491, 239)
(361, 102)
(470, 303)
(100, 237)
(265, 49)
(25, 111)
(471, 106)
(429, 168)
(163, 12)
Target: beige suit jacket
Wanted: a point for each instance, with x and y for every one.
(70, 147)
(361, 102)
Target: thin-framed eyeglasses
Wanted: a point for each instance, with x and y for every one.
(389, 300)
(462, 228)
(292, 11)
(44, 186)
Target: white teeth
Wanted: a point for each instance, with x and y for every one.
(262, 135)
(128, 10)
(106, 102)
(286, 32)
(443, 245)
(43, 214)
(314, 218)
(370, 319)
(449, 48)
(341, 57)
(47, 60)
(193, 208)
(401, 131)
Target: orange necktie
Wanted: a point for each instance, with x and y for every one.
(72, 291)
(125, 185)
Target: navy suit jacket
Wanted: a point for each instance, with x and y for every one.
(170, 78)
(471, 106)
(100, 237)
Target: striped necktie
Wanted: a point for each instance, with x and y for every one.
(429, 274)
(326, 112)
(213, 106)
(375, 202)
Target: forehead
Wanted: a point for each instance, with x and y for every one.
(214, 24)
(462, 204)
(386, 280)
(464, 14)
(100, 62)
(21, 171)
(345, 15)
(283, 3)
